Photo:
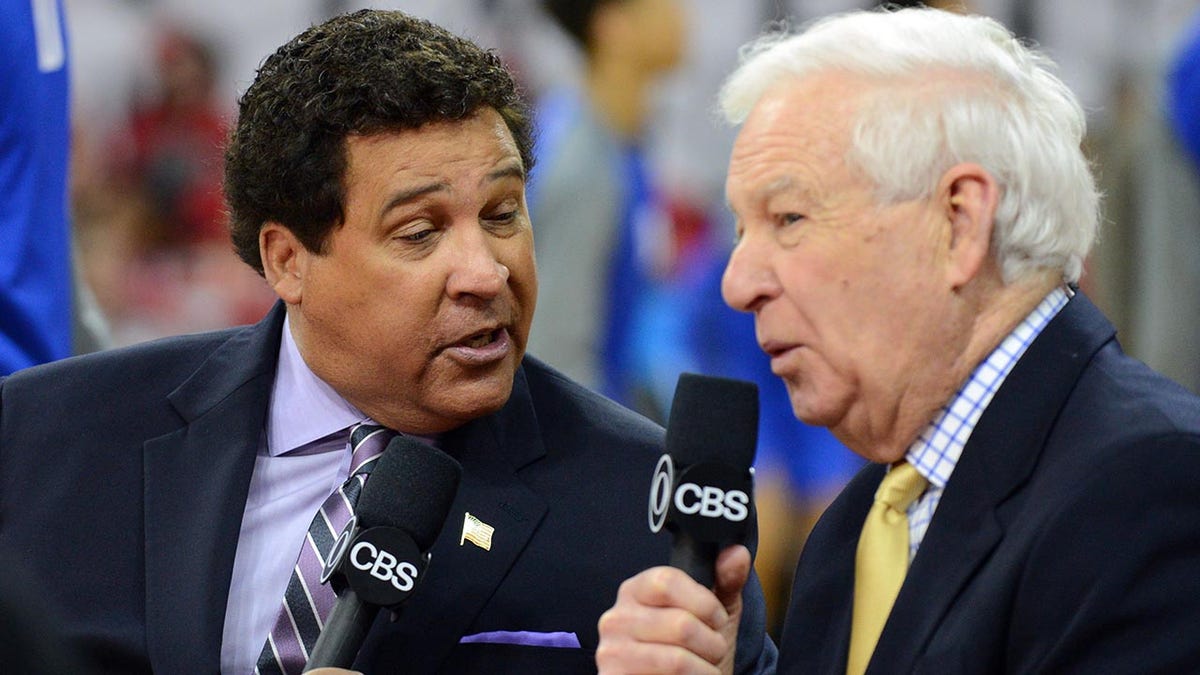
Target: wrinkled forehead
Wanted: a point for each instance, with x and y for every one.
(801, 123)
(825, 97)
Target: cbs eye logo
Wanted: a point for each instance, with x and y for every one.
(660, 492)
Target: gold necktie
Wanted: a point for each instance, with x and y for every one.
(882, 561)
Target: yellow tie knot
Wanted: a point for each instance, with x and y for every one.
(901, 487)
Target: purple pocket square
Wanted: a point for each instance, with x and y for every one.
(524, 637)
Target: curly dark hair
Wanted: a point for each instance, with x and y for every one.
(361, 73)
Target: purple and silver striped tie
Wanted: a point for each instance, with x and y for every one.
(307, 602)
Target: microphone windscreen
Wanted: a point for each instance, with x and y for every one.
(412, 488)
(713, 419)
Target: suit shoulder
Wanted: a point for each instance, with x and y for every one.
(565, 405)
(164, 362)
(1120, 404)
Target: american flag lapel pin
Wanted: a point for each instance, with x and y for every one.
(477, 532)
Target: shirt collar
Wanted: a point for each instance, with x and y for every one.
(304, 408)
(938, 448)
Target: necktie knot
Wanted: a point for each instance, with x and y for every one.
(901, 487)
(367, 442)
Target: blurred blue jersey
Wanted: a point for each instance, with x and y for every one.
(35, 261)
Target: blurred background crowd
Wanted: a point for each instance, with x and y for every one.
(627, 198)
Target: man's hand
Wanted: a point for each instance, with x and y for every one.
(664, 622)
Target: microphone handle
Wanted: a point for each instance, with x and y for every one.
(697, 558)
(344, 632)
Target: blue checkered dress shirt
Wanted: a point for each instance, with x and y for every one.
(937, 449)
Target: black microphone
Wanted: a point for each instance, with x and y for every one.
(380, 556)
(703, 487)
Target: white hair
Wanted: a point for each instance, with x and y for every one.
(952, 89)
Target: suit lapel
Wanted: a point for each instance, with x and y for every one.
(997, 460)
(821, 639)
(462, 577)
(196, 480)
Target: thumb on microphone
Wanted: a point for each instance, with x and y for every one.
(732, 572)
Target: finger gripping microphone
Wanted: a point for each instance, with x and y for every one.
(382, 553)
(702, 490)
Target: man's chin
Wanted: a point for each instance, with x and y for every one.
(466, 401)
(811, 411)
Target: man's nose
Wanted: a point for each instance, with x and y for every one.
(749, 280)
(476, 270)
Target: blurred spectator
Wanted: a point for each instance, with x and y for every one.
(170, 151)
(35, 258)
(150, 211)
(1183, 91)
(1147, 261)
(606, 245)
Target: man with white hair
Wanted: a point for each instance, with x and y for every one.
(913, 211)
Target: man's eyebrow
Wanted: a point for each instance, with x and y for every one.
(410, 194)
(781, 184)
(512, 169)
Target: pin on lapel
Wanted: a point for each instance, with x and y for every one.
(477, 532)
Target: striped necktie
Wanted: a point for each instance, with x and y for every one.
(307, 602)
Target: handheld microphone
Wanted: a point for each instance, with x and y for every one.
(703, 487)
(380, 556)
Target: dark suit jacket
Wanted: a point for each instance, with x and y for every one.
(123, 476)
(1067, 539)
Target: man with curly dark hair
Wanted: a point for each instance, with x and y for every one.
(359, 75)
(376, 179)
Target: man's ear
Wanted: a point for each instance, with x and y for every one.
(283, 258)
(969, 195)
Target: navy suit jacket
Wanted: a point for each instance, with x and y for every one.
(123, 476)
(1067, 539)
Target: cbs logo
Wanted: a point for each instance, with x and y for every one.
(383, 565)
(712, 502)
